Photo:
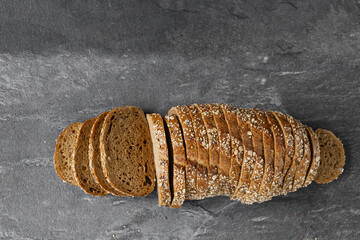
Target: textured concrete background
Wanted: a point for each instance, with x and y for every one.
(67, 61)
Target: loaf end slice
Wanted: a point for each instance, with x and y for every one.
(64, 153)
(161, 157)
(126, 151)
(332, 157)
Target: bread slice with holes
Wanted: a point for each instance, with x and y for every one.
(64, 153)
(332, 157)
(161, 158)
(177, 160)
(81, 161)
(95, 158)
(126, 151)
(315, 156)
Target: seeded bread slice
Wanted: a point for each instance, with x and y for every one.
(264, 192)
(315, 156)
(279, 144)
(82, 168)
(249, 160)
(225, 149)
(184, 117)
(203, 151)
(289, 140)
(298, 154)
(213, 138)
(237, 150)
(95, 159)
(161, 157)
(303, 167)
(126, 151)
(177, 160)
(64, 153)
(332, 157)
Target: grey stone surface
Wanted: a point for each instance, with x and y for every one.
(67, 61)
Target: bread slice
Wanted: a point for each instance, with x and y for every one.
(81, 161)
(184, 117)
(225, 149)
(289, 140)
(213, 138)
(95, 158)
(264, 192)
(304, 165)
(126, 151)
(203, 151)
(237, 150)
(315, 156)
(258, 173)
(279, 145)
(64, 153)
(248, 163)
(177, 159)
(332, 157)
(296, 129)
(161, 157)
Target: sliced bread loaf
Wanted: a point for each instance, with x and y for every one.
(332, 157)
(64, 153)
(161, 157)
(81, 161)
(95, 157)
(177, 159)
(126, 151)
(315, 156)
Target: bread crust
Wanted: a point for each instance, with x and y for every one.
(177, 160)
(315, 156)
(81, 161)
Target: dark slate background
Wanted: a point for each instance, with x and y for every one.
(67, 61)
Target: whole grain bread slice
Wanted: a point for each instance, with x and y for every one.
(213, 138)
(177, 159)
(249, 160)
(225, 149)
(184, 117)
(161, 157)
(126, 151)
(279, 145)
(264, 192)
(81, 161)
(315, 156)
(95, 158)
(203, 151)
(332, 156)
(64, 153)
(237, 150)
(296, 129)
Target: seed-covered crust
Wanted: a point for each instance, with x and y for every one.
(315, 156)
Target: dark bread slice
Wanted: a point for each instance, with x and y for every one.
(258, 173)
(95, 157)
(64, 153)
(126, 151)
(332, 156)
(289, 140)
(249, 160)
(81, 161)
(279, 146)
(296, 129)
(161, 158)
(224, 149)
(315, 156)
(203, 151)
(237, 150)
(177, 159)
(213, 138)
(304, 165)
(264, 193)
(184, 117)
